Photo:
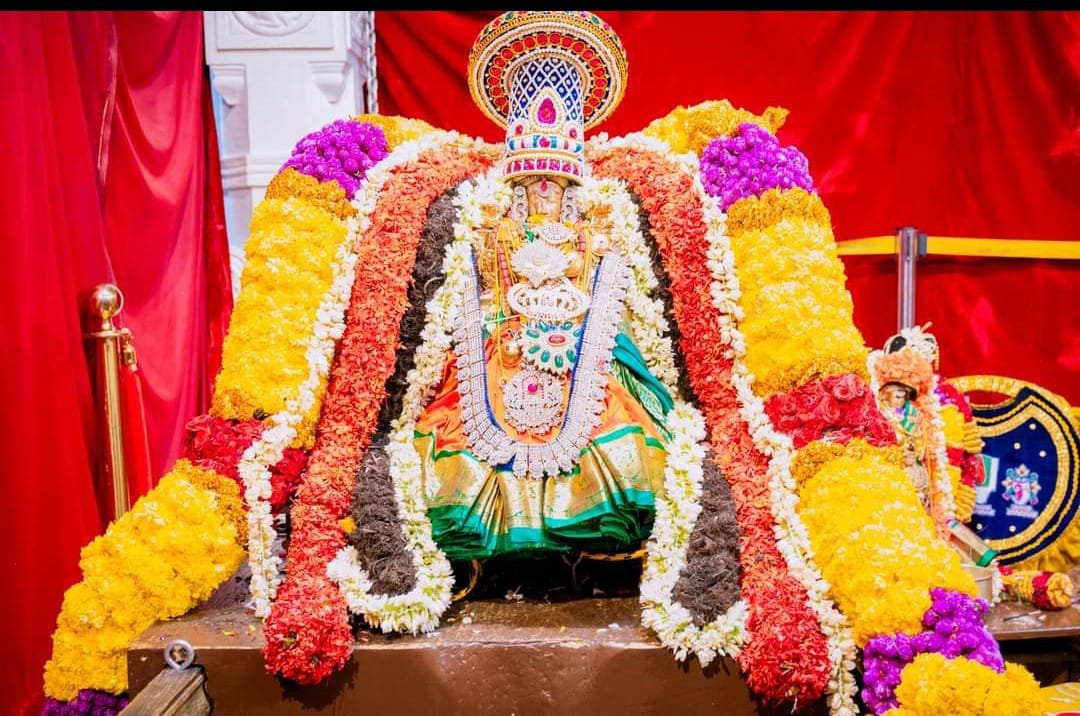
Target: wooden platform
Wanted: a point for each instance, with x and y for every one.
(521, 656)
(495, 656)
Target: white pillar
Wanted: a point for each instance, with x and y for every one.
(279, 75)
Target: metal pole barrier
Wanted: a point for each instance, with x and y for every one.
(909, 244)
(106, 302)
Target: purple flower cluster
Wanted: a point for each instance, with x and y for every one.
(952, 627)
(749, 164)
(343, 151)
(89, 701)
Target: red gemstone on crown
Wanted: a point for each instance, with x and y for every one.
(533, 387)
(545, 142)
(573, 132)
(557, 339)
(546, 112)
(518, 130)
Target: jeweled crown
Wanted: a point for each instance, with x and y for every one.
(546, 77)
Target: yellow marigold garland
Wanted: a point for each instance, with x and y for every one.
(932, 685)
(963, 495)
(690, 129)
(772, 207)
(328, 195)
(160, 559)
(397, 129)
(289, 268)
(809, 460)
(230, 503)
(876, 545)
(798, 323)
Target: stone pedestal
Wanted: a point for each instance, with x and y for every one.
(279, 75)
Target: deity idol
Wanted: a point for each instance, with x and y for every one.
(547, 431)
(904, 371)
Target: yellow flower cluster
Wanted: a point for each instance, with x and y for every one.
(772, 207)
(397, 129)
(876, 545)
(953, 425)
(932, 685)
(963, 495)
(327, 195)
(289, 268)
(230, 501)
(690, 129)
(809, 460)
(157, 561)
(798, 323)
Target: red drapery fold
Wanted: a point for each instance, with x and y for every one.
(960, 123)
(111, 176)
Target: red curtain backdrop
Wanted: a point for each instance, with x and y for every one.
(960, 123)
(111, 176)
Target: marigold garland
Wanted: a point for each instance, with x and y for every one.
(798, 323)
(289, 268)
(876, 545)
(299, 647)
(160, 559)
(933, 685)
(786, 656)
(809, 460)
(690, 129)
(329, 195)
(398, 130)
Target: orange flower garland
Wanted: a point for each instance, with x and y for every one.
(308, 636)
(786, 657)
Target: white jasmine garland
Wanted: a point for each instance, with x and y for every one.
(941, 456)
(281, 430)
(420, 609)
(791, 537)
(678, 508)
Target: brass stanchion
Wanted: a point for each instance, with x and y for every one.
(105, 303)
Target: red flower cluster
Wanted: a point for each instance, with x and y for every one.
(308, 627)
(217, 444)
(838, 408)
(786, 656)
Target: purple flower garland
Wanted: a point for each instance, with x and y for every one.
(342, 151)
(749, 164)
(89, 701)
(953, 627)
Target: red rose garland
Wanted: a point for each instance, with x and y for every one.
(786, 656)
(839, 408)
(308, 636)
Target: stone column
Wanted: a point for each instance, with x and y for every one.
(279, 75)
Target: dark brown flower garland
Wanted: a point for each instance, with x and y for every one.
(709, 582)
(377, 536)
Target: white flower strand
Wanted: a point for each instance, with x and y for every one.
(678, 508)
(941, 456)
(269, 448)
(791, 537)
(420, 609)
